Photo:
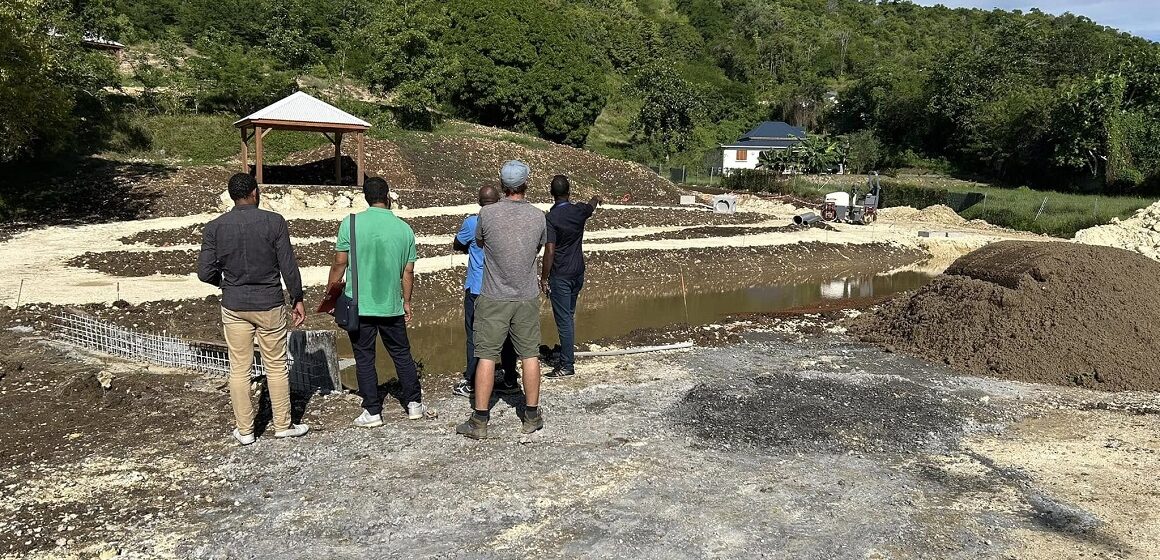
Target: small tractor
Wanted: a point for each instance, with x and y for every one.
(847, 207)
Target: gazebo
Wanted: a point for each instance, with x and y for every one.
(302, 112)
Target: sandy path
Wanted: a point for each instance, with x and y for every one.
(36, 270)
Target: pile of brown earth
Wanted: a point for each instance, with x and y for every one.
(1059, 313)
(445, 169)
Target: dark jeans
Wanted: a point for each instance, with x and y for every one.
(507, 355)
(394, 333)
(563, 296)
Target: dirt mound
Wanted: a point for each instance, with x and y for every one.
(1057, 313)
(449, 167)
(1140, 233)
(938, 214)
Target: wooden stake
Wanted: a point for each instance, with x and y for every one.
(19, 292)
(685, 296)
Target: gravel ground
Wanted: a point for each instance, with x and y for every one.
(806, 450)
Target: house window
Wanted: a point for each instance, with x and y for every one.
(742, 155)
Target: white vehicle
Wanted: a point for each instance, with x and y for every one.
(848, 207)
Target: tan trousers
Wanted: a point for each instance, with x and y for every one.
(269, 327)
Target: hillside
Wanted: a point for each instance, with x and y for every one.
(182, 176)
(1017, 98)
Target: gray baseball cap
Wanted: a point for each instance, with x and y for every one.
(514, 173)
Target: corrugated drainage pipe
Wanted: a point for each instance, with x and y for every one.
(806, 219)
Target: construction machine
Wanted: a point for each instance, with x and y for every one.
(847, 207)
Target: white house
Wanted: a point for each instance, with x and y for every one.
(769, 135)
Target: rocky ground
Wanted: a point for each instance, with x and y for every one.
(793, 443)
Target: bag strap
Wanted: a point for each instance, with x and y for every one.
(353, 262)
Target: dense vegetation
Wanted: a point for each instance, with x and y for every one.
(1022, 98)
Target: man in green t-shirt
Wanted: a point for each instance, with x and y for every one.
(384, 249)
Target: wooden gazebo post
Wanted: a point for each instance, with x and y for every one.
(338, 158)
(258, 160)
(359, 137)
(245, 151)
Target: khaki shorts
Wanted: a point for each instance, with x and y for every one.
(496, 320)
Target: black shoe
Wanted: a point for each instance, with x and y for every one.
(463, 389)
(508, 389)
(561, 371)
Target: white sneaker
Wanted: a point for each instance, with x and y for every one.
(416, 411)
(244, 440)
(368, 420)
(295, 430)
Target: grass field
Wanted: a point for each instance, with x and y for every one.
(208, 140)
(1039, 211)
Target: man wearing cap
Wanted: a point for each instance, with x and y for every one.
(511, 232)
(465, 243)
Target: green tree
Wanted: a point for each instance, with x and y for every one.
(53, 90)
(777, 160)
(231, 78)
(529, 69)
(671, 109)
(863, 152)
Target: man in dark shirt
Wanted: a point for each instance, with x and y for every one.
(244, 252)
(563, 271)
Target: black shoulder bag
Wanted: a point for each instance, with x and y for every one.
(346, 308)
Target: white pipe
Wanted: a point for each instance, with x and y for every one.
(637, 350)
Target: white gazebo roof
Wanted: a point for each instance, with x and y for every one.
(304, 110)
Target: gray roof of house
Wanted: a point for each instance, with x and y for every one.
(770, 134)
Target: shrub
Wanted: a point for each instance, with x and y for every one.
(756, 180)
(906, 194)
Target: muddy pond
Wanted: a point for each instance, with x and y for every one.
(439, 345)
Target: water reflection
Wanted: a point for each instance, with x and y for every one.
(439, 345)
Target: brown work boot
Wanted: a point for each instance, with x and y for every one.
(474, 427)
(533, 422)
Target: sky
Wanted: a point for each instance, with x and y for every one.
(1138, 17)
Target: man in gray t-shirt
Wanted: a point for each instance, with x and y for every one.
(511, 232)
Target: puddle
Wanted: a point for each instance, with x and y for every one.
(439, 345)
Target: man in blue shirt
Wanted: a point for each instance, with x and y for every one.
(465, 243)
(563, 271)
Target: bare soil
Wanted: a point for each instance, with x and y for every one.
(448, 224)
(135, 264)
(96, 190)
(1059, 313)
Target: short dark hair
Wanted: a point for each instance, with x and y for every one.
(241, 185)
(376, 191)
(561, 186)
(518, 189)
